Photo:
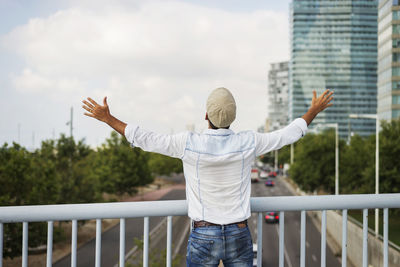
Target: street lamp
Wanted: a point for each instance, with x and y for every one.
(375, 117)
(336, 126)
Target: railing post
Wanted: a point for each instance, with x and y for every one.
(323, 239)
(344, 238)
(98, 243)
(25, 244)
(385, 236)
(146, 242)
(303, 239)
(281, 238)
(169, 240)
(365, 238)
(49, 244)
(74, 239)
(1, 244)
(259, 239)
(122, 242)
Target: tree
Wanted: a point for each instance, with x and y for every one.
(354, 160)
(163, 165)
(120, 168)
(25, 180)
(314, 167)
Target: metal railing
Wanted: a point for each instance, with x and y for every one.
(75, 212)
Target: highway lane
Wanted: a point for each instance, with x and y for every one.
(110, 240)
(292, 234)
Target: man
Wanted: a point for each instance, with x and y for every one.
(217, 167)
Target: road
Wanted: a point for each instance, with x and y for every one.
(292, 233)
(110, 240)
(134, 228)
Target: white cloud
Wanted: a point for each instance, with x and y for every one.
(156, 61)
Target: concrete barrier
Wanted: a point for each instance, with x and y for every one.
(355, 240)
(354, 237)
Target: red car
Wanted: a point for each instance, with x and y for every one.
(272, 217)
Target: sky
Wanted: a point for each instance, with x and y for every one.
(155, 60)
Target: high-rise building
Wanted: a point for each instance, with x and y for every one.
(278, 78)
(334, 46)
(389, 59)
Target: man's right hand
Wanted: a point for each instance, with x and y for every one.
(318, 104)
(102, 113)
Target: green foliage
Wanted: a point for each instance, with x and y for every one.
(314, 165)
(389, 155)
(284, 155)
(354, 162)
(163, 165)
(66, 171)
(268, 158)
(120, 168)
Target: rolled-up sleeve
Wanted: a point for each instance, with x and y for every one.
(172, 145)
(266, 142)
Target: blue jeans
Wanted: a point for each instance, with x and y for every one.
(229, 243)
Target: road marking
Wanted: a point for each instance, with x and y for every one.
(181, 240)
(285, 250)
(133, 250)
(307, 244)
(314, 257)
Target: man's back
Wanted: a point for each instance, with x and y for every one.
(217, 170)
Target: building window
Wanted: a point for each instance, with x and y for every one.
(396, 100)
(395, 113)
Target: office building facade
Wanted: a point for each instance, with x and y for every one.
(334, 46)
(389, 59)
(278, 79)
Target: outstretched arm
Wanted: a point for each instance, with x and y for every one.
(266, 142)
(169, 145)
(318, 104)
(102, 113)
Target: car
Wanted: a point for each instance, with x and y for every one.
(272, 217)
(254, 255)
(272, 174)
(255, 175)
(269, 182)
(263, 174)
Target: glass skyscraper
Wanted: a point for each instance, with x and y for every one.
(389, 59)
(334, 46)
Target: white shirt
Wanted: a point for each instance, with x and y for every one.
(217, 165)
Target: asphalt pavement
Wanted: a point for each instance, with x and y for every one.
(134, 229)
(292, 233)
(110, 240)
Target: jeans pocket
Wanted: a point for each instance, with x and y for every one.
(244, 248)
(200, 250)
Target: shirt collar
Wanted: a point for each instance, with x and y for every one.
(218, 132)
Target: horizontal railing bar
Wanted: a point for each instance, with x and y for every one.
(66, 212)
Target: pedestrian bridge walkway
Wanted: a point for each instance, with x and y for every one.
(76, 212)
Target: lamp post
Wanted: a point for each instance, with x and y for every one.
(375, 117)
(291, 153)
(336, 126)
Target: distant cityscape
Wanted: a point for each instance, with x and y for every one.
(351, 47)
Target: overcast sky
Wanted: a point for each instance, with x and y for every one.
(156, 60)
